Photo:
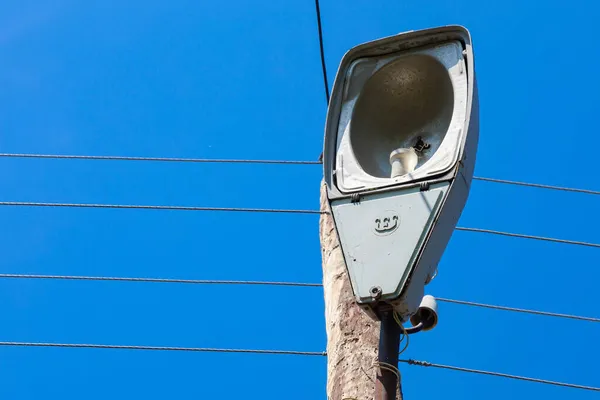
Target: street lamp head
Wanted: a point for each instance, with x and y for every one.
(405, 93)
(400, 140)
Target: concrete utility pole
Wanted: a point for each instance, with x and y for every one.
(352, 336)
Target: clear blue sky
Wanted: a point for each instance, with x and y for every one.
(242, 79)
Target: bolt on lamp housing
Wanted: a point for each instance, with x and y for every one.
(400, 145)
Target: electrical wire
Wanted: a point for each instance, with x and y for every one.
(284, 352)
(154, 207)
(257, 161)
(537, 185)
(158, 280)
(532, 237)
(160, 159)
(267, 210)
(163, 348)
(403, 334)
(388, 367)
(274, 283)
(499, 374)
(520, 310)
(322, 50)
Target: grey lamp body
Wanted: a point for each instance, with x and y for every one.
(387, 94)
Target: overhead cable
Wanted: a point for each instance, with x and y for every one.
(160, 159)
(520, 310)
(499, 374)
(157, 280)
(264, 161)
(531, 237)
(322, 50)
(162, 348)
(268, 210)
(272, 283)
(537, 185)
(286, 352)
(159, 207)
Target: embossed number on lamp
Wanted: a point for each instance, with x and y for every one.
(386, 225)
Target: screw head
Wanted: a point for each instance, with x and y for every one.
(375, 292)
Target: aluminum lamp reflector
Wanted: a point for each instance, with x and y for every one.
(400, 145)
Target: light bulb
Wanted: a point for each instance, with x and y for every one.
(403, 161)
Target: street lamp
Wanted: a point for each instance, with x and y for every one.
(400, 146)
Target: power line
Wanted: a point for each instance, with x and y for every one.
(499, 374)
(538, 185)
(163, 348)
(521, 310)
(158, 280)
(154, 207)
(322, 50)
(160, 159)
(284, 352)
(532, 237)
(272, 283)
(263, 161)
(268, 210)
